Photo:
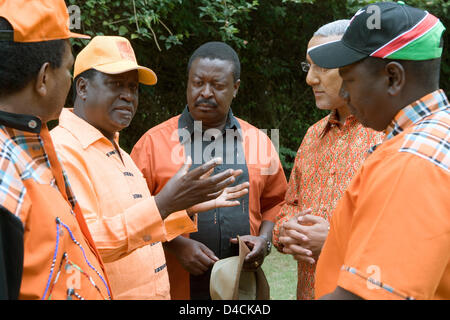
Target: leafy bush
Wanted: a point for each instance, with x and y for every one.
(270, 37)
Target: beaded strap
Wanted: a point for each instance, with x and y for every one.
(85, 258)
(58, 227)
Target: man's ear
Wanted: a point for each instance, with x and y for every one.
(236, 87)
(396, 77)
(81, 87)
(42, 78)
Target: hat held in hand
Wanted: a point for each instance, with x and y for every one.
(230, 282)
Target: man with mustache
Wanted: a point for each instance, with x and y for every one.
(207, 127)
(128, 224)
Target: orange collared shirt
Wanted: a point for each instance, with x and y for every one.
(390, 233)
(328, 158)
(119, 209)
(159, 154)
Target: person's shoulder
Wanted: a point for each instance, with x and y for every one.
(14, 169)
(64, 139)
(429, 139)
(247, 128)
(164, 127)
(317, 128)
(59, 133)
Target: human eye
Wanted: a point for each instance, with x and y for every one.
(219, 86)
(134, 86)
(115, 83)
(197, 82)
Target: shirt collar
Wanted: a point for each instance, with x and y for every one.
(23, 122)
(413, 113)
(333, 121)
(81, 129)
(416, 111)
(186, 121)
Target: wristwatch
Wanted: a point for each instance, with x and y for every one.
(268, 244)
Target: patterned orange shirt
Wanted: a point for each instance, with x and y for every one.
(326, 161)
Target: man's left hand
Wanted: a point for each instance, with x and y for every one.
(305, 240)
(258, 250)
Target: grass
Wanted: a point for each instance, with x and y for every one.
(281, 273)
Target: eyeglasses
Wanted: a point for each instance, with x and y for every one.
(306, 66)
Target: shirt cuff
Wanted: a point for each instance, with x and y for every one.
(179, 223)
(368, 287)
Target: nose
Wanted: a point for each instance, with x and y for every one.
(312, 78)
(207, 91)
(128, 94)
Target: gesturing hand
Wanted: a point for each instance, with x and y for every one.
(186, 189)
(224, 200)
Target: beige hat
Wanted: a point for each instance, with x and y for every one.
(230, 282)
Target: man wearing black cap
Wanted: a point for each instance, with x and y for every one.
(389, 236)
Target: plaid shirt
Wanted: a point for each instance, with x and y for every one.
(398, 210)
(428, 121)
(56, 238)
(23, 156)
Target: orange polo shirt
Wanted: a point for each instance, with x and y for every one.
(119, 210)
(390, 233)
(159, 154)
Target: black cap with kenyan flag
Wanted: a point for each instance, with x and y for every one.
(384, 30)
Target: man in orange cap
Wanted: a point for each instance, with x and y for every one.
(46, 250)
(127, 223)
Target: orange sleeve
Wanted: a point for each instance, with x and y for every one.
(399, 243)
(272, 197)
(292, 205)
(141, 155)
(114, 236)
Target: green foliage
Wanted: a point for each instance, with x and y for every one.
(270, 37)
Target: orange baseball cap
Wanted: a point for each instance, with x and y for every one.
(38, 20)
(111, 55)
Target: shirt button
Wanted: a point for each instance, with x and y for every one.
(32, 124)
(147, 238)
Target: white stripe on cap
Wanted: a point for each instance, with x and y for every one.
(320, 45)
